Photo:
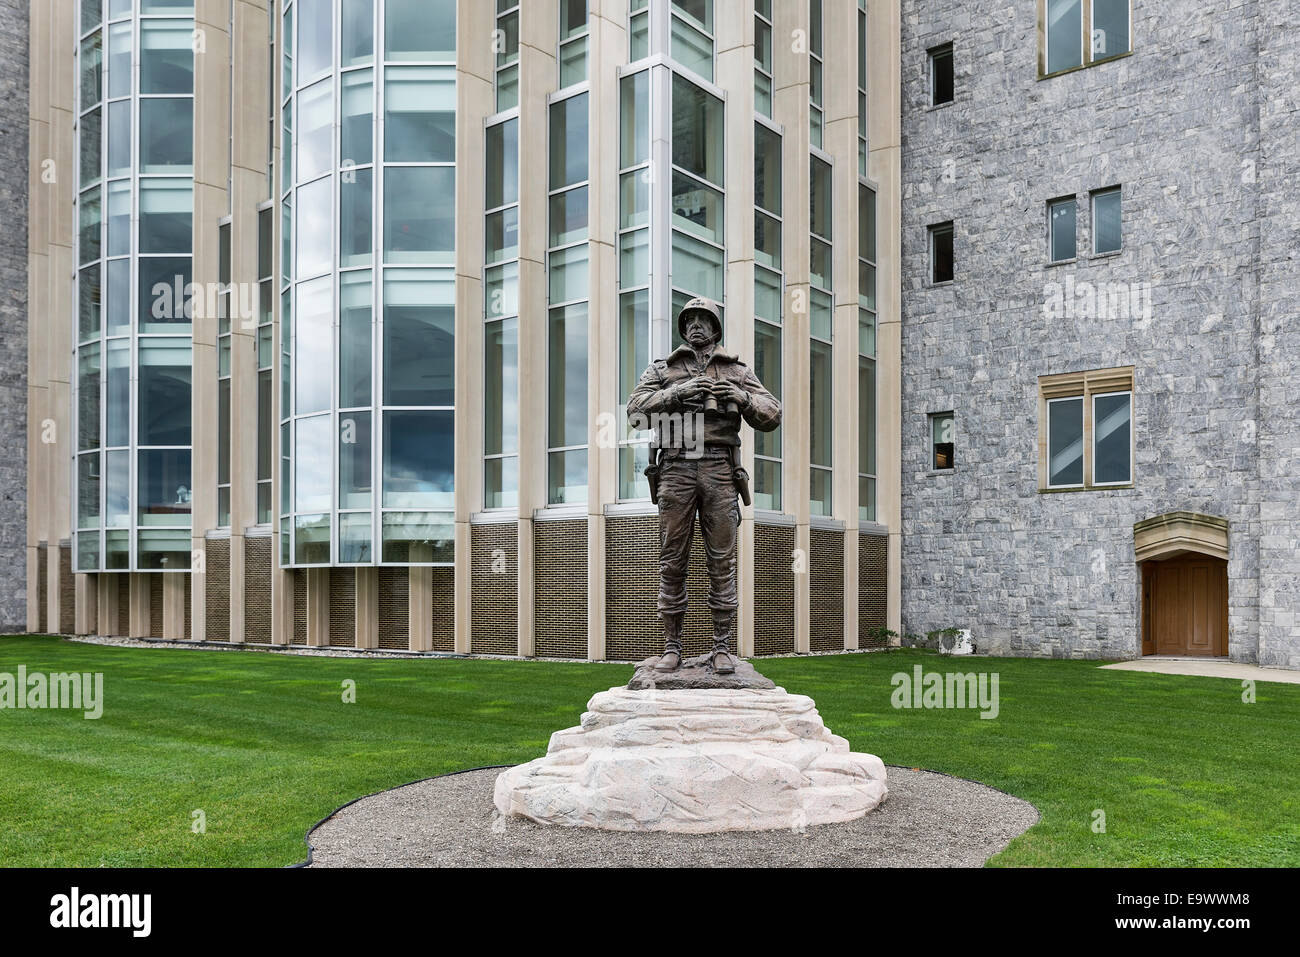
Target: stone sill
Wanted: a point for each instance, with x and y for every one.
(1087, 488)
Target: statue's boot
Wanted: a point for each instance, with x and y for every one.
(720, 657)
(671, 659)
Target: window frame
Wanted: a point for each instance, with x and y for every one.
(1085, 41)
(1091, 471)
(1083, 439)
(1117, 190)
(930, 420)
(942, 50)
(1051, 233)
(1086, 385)
(933, 230)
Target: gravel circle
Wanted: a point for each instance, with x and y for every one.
(928, 820)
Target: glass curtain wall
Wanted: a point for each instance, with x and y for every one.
(134, 298)
(568, 297)
(768, 298)
(367, 180)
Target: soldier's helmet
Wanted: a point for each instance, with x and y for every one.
(706, 306)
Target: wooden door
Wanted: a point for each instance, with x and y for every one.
(1186, 606)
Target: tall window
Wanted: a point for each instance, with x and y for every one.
(691, 35)
(821, 321)
(941, 252)
(501, 313)
(505, 43)
(1077, 33)
(573, 42)
(633, 273)
(815, 70)
(638, 30)
(763, 57)
(569, 293)
(133, 252)
(699, 252)
(862, 87)
(265, 361)
(1086, 429)
(941, 75)
(866, 353)
(768, 286)
(223, 374)
(672, 199)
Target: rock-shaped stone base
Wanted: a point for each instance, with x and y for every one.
(697, 761)
(695, 673)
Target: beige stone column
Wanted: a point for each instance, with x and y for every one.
(367, 608)
(282, 580)
(51, 440)
(419, 608)
(248, 151)
(790, 109)
(106, 595)
(538, 77)
(211, 203)
(884, 166)
(475, 101)
(87, 602)
(840, 137)
(606, 52)
(138, 589)
(50, 186)
(734, 44)
(174, 587)
(318, 607)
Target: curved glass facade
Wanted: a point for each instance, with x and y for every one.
(368, 187)
(135, 300)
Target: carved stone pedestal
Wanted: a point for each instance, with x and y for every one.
(695, 761)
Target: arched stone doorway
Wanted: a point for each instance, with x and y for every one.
(1183, 562)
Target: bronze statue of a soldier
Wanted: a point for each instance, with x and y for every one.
(695, 399)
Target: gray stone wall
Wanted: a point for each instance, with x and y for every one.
(13, 314)
(1177, 125)
(1279, 335)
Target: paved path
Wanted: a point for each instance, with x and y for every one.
(1207, 668)
(928, 820)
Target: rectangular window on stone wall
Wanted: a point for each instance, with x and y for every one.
(1078, 33)
(941, 75)
(1106, 232)
(1061, 219)
(943, 442)
(1086, 435)
(941, 253)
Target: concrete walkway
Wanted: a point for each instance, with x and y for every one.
(1208, 668)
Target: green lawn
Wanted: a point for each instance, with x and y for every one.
(1186, 773)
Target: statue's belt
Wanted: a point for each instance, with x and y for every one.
(709, 451)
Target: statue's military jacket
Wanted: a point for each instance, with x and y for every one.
(653, 396)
